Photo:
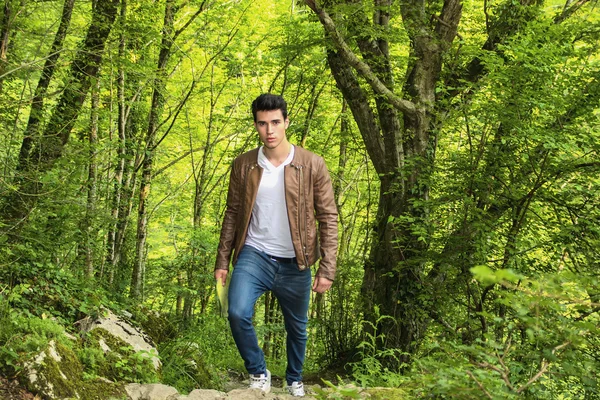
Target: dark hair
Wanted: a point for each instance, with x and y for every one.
(269, 102)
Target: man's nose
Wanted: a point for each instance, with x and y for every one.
(269, 128)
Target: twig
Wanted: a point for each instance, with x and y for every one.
(502, 373)
(480, 385)
(501, 359)
(528, 292)
(544, 367)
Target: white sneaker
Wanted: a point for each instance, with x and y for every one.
(262, 382)
(296, 389)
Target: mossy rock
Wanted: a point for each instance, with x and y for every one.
(157, 326)
(57, 373)
(386, 394)
(110, 357)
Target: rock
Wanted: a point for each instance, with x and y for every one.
(152, 391)
(162, 392)
(112, 353)
(56, 373)
(250, 394)
(121, 329)
(36, 376)
(204, 394)
(159, 327)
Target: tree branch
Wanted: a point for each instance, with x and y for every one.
(192, 18)
(448, 20)
(544, 367)
(358, 101)
(480, 385)
(503, 374)
(361, 67)
(569, 10)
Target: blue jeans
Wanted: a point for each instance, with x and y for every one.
(254, 274)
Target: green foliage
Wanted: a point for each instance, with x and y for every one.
(509, 226)
(547, 347)
(24, 334)
(44, 289)
(160, 327)
(338, 392)
(137, 367)
(9, 334)
(200, 356)
(337, 332)
(372, 368)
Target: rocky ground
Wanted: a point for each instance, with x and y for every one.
(11, 390)
(234, 390)
(57, 369)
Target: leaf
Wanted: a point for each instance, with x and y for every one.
(484, 274)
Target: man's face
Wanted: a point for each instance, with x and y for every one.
(271, 127)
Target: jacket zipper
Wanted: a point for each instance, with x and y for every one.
(302, 214)
(249, 170)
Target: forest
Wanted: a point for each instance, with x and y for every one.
(463, 142)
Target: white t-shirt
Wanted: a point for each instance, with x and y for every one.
(269, 229)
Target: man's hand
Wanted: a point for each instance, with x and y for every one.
(222, 275)
(321, 285)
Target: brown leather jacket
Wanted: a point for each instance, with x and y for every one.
(309, 198)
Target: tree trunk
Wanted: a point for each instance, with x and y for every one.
(158, 100)
(89, 224)
(397, 134)
(340, 180)
(125, 208)
(8, 15)
(37, 104)
(201, 183)
(84, 69)
(169, 36)
(316, 92)
(272, 339)
(402, 148)
(180, 295)
(188, 301)
(111, 254)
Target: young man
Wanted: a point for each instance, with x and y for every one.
(277, 193)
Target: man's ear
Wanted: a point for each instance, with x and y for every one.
(287, 123)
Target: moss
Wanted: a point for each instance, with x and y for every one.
(122, 362)
(386, 394)
(64, 379)
(157, 326)
(87, 372)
